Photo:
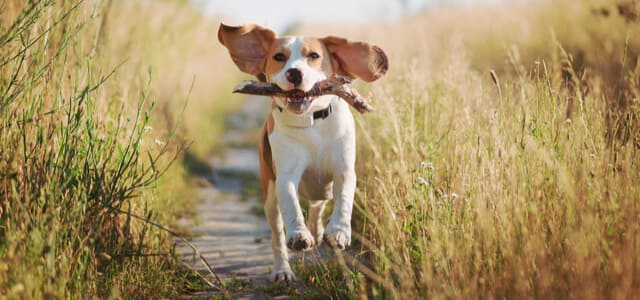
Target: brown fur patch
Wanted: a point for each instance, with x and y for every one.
(267, 169)
(323, 64)
(273, 66)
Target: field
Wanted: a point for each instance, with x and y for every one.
(501, 162)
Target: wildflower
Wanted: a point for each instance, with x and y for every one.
(454, 195)
(159, 142)
(422, 181)
(147, 128)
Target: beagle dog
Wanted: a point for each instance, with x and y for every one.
(307, 147)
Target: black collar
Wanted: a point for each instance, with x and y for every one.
(319, 114)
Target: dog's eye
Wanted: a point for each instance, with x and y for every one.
(314, 55)
(279, 57)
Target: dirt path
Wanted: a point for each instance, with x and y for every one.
(230, 229)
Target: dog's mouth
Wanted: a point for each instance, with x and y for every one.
(298, 104)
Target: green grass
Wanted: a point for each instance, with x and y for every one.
(66, 176)
(90, 123)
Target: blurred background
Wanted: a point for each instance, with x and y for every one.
(283, 14)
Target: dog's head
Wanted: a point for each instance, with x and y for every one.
(299, 62)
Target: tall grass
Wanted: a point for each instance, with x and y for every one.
(502, 160)
(524, 184)
(90, 108)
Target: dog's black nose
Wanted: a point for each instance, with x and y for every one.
(294, 76)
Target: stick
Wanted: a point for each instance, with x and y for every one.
(334, 85)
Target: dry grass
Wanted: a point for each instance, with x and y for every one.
(519, 185)
(529, 193)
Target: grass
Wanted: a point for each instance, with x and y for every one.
(91, 121)
(518, 185)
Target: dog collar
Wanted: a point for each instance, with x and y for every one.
(303, 120)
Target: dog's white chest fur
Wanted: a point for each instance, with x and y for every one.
(315, 153)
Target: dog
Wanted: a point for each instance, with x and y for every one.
(308, 145)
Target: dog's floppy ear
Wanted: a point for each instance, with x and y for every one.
(248, 45)
(356, 59)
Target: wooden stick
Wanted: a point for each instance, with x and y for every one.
(335, 85)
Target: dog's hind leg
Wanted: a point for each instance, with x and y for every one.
(281, 268)
(314, 223)
(338, 231)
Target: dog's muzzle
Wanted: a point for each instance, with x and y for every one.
(298, 104)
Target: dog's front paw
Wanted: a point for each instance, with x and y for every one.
(285, 275)
(337, 235)
(300, 240)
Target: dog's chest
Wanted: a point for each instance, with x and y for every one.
(317, 180)
(319, 152)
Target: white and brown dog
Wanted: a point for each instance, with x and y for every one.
(308, 144)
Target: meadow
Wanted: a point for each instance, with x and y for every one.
(501, 161)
